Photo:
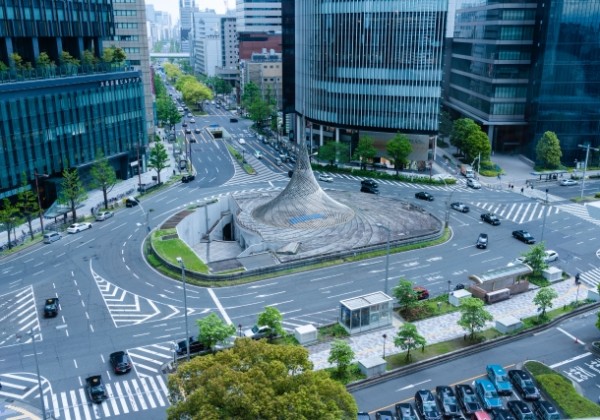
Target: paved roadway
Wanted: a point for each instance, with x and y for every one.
(111, 300)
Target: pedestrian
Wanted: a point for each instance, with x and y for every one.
(522, 190)
(499, 176)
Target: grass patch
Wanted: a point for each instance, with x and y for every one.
(429, 308)
(330, 332)
(538, 280)
(562, 391)
(240, 159)
(172, 248)
(417, 178)
(352, 374)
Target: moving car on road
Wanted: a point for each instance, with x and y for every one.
(51, 307)
(96, 391)
(482, 241)
(103, 215)
(422, 195)
(568, 182)
(195, 346)
(78, 227)
(473, 183)
(462, 207)
(490, 218)
(422, 293)
(120, 362)
(523, 236)
(325, 178)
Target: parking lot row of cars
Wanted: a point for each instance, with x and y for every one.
(480, 401)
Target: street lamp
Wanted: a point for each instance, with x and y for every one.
(387, 256)
(39, 199)
(240, 329)
(384, 338)
(37, 369)
(187, 331)
(545, 211)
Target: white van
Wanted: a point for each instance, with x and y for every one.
(51, 237)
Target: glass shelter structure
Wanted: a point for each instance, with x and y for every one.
(367, 312)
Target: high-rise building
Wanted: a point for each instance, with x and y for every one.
(370, 68)
(186, 8)
(264, 70)
(228, 67)
(60, 104)
(205, 39)
(258, 16)
(132, 36)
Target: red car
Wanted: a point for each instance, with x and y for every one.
(422, 293)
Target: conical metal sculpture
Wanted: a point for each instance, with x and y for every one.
(303, 204)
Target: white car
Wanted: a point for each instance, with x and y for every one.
(325, 177)
(568, 182)
(473, 183)
(192, 121)
(103, 215)
(551, 256)
(78, 227)
(241, 141)
(257, 154)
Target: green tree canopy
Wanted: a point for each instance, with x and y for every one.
(172, 71)
(477, 144)
(342, 355)
(399, 148)
(405, 294)
(71, 192)
(166, 111)
(548, 151)
(9, 218)
(213, 330)
(272, 318)
(27, 203)
(365, 151)
(543, 299)
(408, 338)
(536, 258)
(103, 176)
(473, 316)
(333, 151)
(158, 159)
(461, 130)
(257, 380)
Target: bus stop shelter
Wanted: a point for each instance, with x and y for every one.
(367, 312)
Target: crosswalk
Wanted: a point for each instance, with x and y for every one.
(591, 277)
(18, 308)
(149, 360)
(518, 212)
(124, 397)
(579, 211)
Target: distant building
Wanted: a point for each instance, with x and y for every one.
(258, 16)
(205, 39)
(228, 67)
(186, 8)
(264, 70)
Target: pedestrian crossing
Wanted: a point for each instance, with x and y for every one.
(19, 307)
(126, 396)
(149, 360)
(519, 212)
(579, 211)
(591, 277)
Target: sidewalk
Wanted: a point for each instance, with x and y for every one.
(445, 327)
(95, 198)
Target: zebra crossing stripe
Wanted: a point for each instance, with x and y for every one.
(120, 398)
(129, 395)
(162, 385)
(113, 400)
(147, 392)
(86, 409)
(157, 394)
(54, 404)
(74, 399)
(139, 394)
(65, 403)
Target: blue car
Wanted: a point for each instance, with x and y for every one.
(499, 378)
(486, 391)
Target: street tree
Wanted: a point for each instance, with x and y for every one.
(473, 316)
(543, 299)
(405, 294)
(8, 217)
(250, 95)
(213, 330)
(461, 129)
(172, 71)
(399, 148)
(535, 257)
(166, 111)
(27, 203)
(71, 192)
(333, 152)
(365, 151)
(256, 380)
(342, 355)
(408, 338)
(272, 318)
(158, 159)
(103, 176)
(548, 150)
(477, 144)
(89, 59)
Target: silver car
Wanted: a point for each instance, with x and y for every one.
(103, 215)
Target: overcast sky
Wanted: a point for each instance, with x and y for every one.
(172, 6)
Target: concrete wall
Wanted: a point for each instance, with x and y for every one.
(193, 228)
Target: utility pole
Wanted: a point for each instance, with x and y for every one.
(39, 199)
(585, 163)
(139, 164)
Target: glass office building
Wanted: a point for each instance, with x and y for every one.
(61, 104)
(370, 66)
(566, 82)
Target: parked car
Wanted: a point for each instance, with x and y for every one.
(363, 416)
(188, 178)
(490, 218)
(568, 182)
(257, 332)
(426, 406)
(422, 293)
(462, 207)
(551, 255)
(486, 391)
(499, 378)
(482, 241)
(120, 362)
(545, 410)
(103, 215)
(78, 227)
(467, 399)
(131, 202)
(405, 411)
(473, 183)
(51, 308)
(524, 384)
(422, 195)
(501, 414)
(384, 415)
(523, 236)
(195, 346)
(96, 391)
(520, 410)
(325, 178)
(447, 401)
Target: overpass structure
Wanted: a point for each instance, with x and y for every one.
(169, 55)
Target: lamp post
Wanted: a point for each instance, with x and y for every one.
(545, 211)
(387, 256)
(240, 329)
(37, 369)
(187, 331)
(243, 156)
(384, 338)
(39, 199)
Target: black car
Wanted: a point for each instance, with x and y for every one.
(188, 178)
(369, 183)
(405, 411)
(363, 416)
(422, 195)
(520, 410)
(184, 124)
(369, 190)
(490, 218)
(545, 411)
(501, 414)
(447, 401)
(51, 307)
(426, 406)
(120, 362)
(482, 241)
(524, 384)
(462, 207)
(131, 202)
(233, 120)
(188, 131)
(195, 347)
(523, 236)
(95, 389)
(384, 415)
(467, 399)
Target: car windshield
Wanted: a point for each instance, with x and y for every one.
(526, 235)
(491, 394)
(429, 406)
(469, 398)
